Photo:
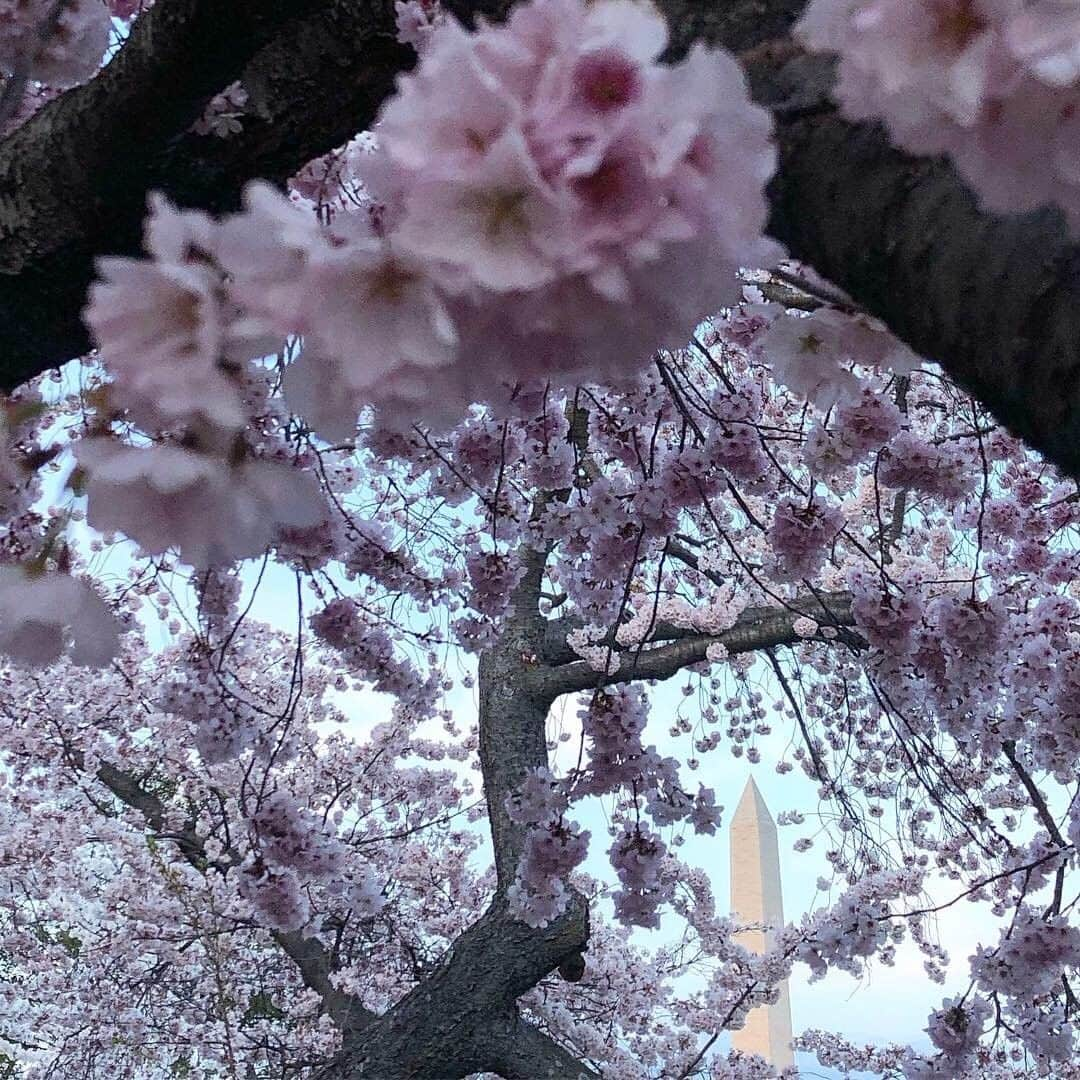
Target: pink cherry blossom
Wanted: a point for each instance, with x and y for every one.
(540, 529)
(416, 20)
(993, 83)
(223, 113)
(910, 462)
(46, 616)
(70, 52)
(276, 897)
(1045, 37)
(164, 496)
(537, 800)
(376, 311)
(800, 536)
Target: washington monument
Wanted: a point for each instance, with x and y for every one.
(756, 898)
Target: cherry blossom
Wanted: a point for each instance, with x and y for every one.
(165, 496)
(291, 828)
(800, 536)
(223, 113)
(993, 83)
(531, 224)
(45, 616)
(416, 20)
(59, 48)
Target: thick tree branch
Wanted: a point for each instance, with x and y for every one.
(513, 736)
(996, 302)
(74, 178)
(737, 25)
(455, 1022)
(313, 962)
(556, 651)
(756, 628)
(521, 1051)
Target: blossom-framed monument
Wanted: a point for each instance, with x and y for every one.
(756, 897)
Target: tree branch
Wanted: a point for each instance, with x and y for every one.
(74, 178)
(308, 953)
(995, 301)
(456, 1021)
(557, 652)
(756, 628)
(1043, 813)
(512, 718)
(521, 1051)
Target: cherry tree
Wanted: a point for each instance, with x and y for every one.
(517, 409)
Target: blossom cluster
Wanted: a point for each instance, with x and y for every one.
(275, 893)
(286, 837)
(551, 852)
(45, 616)
(222, 114)
(638, 859)
(546, 202)
(60, 48)
(614, 722)
(858, 428)
(956, 1027)
(995, 84)
(212, 511)
(858, 926)
(1031, 958)
(800, 536)
(911, 462)
(416, 20)
(291, 851)
(538, 799)
(176, 345)
(224, 725)
(813, 354)
(369, 648)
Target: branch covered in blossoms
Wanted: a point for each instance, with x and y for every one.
(755, 629)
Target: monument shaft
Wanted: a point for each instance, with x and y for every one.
(756, 898)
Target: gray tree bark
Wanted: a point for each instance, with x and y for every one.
(74, 178)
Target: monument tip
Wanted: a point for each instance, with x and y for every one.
(752, 802)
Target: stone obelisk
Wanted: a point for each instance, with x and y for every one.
(756, 898)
